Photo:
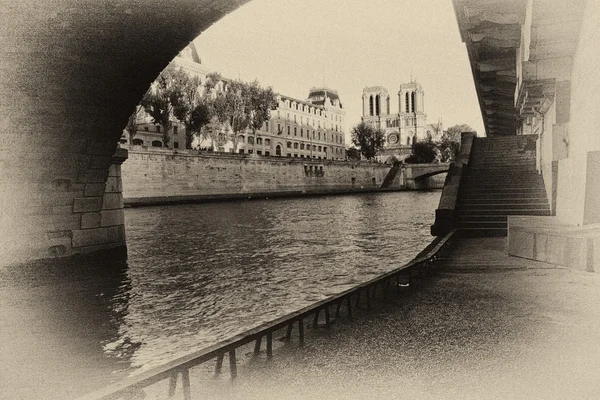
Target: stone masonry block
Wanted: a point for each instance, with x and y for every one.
(114, 185)
(114, 170)
(91, 220)
(93, 175)
(100, 162)
(112, 217)
(94, 189)
(116, 234)
(112, 201)
(90, 237)
(87, 204)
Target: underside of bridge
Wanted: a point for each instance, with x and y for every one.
(536, 68)
(70, 74)
(518, 50)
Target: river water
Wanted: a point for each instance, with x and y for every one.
(197, 274)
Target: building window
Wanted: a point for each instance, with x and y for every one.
(146, 128)
(377, 105)
(258, 152)
(412, 101)
(258, 140)
(319, 148)
(250, 151)
(324, 149)
(295, 155)
(279, 129)
(406, 102)
(250, 140)
(295, 131)
(301, 146)
(138, 142)
(242, 139)
(289, 145)
(371, 105)
(278, 150)
(314, 147)
(414, 140)
(267, 126)
(267, 153)
(157, 143)
(319, 135)
(301, 132)
(289, 155)
(295, 145)
(267, 142)
(288, 130)
(241, 151)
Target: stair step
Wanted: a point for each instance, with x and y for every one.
(502, 200)
(482, 232)
(502, 190)
(478, 218)
(513, 211)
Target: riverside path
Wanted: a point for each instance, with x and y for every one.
(483, 326)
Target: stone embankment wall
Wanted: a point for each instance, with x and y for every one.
(156, 175)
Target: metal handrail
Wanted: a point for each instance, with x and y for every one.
(172, 369)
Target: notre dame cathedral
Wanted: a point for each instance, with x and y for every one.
(402, 127)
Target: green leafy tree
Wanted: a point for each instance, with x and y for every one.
(449, 144)
(369, 140)
(160, 99)
(260, 102)
(423, 153)
(352, 153)
(239, 106)
(189, 107)
(132, 125)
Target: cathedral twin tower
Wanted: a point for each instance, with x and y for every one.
(403, 128)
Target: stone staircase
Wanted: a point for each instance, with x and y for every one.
(500, 180)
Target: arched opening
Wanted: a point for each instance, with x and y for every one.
(406, 103)
(278, 150)
(371, 105)
(412, 101)
(157, 143)
(377, 105)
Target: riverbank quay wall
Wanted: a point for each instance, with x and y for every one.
(162, 176)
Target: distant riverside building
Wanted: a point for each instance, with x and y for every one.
(311, 128)
(404, 125)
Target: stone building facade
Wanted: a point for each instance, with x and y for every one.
(311, 128)
(402, 126)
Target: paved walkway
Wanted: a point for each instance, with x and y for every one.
(485, 326)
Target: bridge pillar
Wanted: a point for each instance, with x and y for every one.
(70, 75)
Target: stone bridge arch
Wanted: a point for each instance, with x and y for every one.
(417, 174)
(70, 74)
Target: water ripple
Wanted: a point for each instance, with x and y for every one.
(201, 273)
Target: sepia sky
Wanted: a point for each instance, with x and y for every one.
(293, 45)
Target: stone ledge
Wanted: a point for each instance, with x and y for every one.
(545, 239)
